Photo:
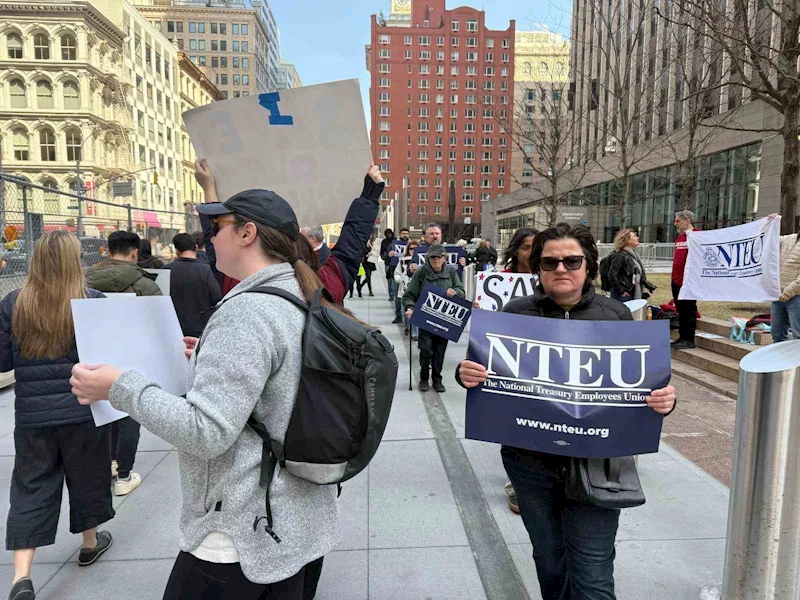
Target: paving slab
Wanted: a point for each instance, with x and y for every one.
(345, 576)
(129, 580)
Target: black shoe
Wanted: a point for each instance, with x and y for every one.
(397, 320)
(89, 556)
(371, 294)
(673, 342)
(22, 590)
(438, 387)
(683, 344)
(424, 386)
(406, 331)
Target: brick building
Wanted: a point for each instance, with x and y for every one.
(439, 82)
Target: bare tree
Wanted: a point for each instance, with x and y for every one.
(760, 43)
(540, 127)
(616, 72)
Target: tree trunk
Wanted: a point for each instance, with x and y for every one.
(687, 177)
(791, 168)
(622, 185)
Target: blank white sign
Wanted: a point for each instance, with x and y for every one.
(141, 334)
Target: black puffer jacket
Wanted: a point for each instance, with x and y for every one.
(44, 396)
(485, 256)
(591, 307)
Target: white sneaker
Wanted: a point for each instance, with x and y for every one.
(123, 487)
(114, 467)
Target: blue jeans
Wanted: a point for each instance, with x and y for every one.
(785, 315)
(398, 303)
(573, 543)
(616, 296)
(393, 286)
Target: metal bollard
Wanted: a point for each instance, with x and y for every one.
(762, 552)
(468, 279)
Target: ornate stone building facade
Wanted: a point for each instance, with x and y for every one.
(62, 98)
(196, 89)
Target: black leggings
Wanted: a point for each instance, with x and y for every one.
(367, 281)
(195, 579)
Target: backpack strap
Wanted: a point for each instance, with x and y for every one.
(271, 455)
(273, 291)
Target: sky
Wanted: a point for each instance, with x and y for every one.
(325, 40)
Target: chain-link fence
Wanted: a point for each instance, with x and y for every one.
(28, 211)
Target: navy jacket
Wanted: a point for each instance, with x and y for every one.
(44, 396)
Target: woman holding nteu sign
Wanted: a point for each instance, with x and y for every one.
(573, 543)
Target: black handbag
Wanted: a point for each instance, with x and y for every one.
(605, 482)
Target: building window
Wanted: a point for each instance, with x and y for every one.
(236, 46)
(235, 29)
(17, 91)
(73, 145)
(223, 28)
(214, 59)
(245, 63)
(20, 140)
(235, 62)
(47, 144)
(244, 28)
(201, 45)
(44, 94)
(192, 27)
(72, 97)
(214, 46)
(170, 26)
(68, 48)
(473, 26)
(407, 40)
(223, 79)
(236, 79)
(14, 43)
(384, 38)
(41, 47)
(214, 28)
(245, 79)
(192, 44)
(454, 26)
(223, 61)
(223, 46)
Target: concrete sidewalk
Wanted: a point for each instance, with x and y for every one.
(427, 520)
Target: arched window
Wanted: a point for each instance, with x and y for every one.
(69, 49)
(14, 44)
(542, 69)
(72, 96)
(20, 140)
(17, 90)
(559, 69)
(47, 145)
(50, 196)
(44, 94)
(41, 47)
(73, 144)
(527, 69)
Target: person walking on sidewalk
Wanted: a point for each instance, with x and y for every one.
(192, 285)
(55, 438)
(432, 347)
(386, 247)
(370, 264)
(786, 311)
(432, 234)
(247, 363)
(401, 278)
(146, 260)
(626, 274)
(122, 274)
(573, 543)
(485, 255)
(687, 309)
(388, 256)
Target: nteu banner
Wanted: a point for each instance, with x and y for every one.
(569, 387)
(440, 315)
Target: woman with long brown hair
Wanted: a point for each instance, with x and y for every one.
(247, 362)
(54, 435)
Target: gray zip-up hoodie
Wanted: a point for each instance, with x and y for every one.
(248, 362)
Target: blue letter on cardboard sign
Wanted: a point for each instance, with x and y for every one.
(270, 102)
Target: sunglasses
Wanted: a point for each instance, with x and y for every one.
(217, 224)
(571, 263)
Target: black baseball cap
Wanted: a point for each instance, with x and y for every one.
(262, 206)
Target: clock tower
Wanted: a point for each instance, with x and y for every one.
(401, 7)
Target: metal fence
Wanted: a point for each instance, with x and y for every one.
(28, 211)
(655, 257)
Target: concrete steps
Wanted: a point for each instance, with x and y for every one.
(721, 345)
(709, 361)
(721, 385)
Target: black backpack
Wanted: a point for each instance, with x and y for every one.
(347, 383)
(605, 268)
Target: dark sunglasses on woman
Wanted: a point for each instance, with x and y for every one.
(571, 263)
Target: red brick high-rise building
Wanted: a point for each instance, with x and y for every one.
(439, 83)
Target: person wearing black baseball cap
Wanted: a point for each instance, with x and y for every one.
(339, 270)
(247, 362)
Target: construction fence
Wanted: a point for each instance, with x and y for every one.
(28, 211)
